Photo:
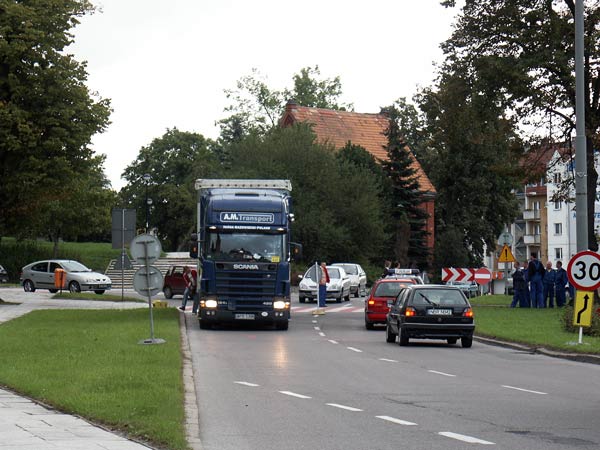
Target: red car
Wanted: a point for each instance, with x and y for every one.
(174, 284)
(383, 293)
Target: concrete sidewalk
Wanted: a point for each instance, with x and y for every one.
(26, 425)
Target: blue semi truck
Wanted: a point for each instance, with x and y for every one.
(242, 243)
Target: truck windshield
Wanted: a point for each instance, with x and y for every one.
(245, 247)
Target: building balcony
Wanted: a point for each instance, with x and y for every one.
(532, 239)
(532, 214)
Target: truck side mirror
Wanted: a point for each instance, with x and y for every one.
(194, 246)
(296, 251)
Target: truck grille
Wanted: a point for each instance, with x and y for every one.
(246, 290)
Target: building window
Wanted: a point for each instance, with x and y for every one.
(557, 205)
(537, 229)
(558, 253)
(556, 178)
(536, 206)
(558, 229)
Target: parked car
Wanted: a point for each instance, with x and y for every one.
(174, 284)
(40, 275)
(469, 288)
(383, 293)
(3, 275)
(338, 287)
(430, 312)
(358, 278)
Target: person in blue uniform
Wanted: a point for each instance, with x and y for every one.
(549, 282)
(519, 287)
(536, 271)
(561, 281)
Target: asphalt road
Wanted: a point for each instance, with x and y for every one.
(328, 383)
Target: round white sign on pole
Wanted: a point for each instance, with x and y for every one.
(148, 283)
(145, 247)
(505, 238)
(584, 271)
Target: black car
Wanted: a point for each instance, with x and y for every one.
(425, 311)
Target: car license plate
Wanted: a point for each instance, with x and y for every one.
(102, 286)
(439, 312)
(244, 316)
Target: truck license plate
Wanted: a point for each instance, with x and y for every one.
(244, 316)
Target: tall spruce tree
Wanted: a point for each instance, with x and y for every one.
(405, 196)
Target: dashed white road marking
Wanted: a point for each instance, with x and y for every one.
(441, 373)
(464, 438)
(317, 328)
(394, 420)
(354, 349)
(347, 408)
(314, 321)
(332, 341)
(387, 360)
(293, 394)
(322, 334)
(245, 383)
(524, 390)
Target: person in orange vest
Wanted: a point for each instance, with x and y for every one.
(323, 280)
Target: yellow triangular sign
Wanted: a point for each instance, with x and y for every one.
(506, 255)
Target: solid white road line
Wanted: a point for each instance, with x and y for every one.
(394, 420)
(322, 334)
(462, 437)
(524, 390)
(347, 408)
(441, 373)
(293, 394)
(245, 383)
(332, 341)
(354, 349)
(387, 360)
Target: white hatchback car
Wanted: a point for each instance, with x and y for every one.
(40, 275)
(358, 278)
(338, 287)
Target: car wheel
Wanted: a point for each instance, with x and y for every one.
(28, 286)
(302, 299)
(466, 342)
(357, 293)
(402, 337)
(339, 300)
(282, 325)
(389, 334)
(369, 325)
(74, 287)
(99, 291)
(168, 292)
(53, 291)
(347, 297)
(451, 341)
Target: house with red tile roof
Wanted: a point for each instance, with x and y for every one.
(367, 130)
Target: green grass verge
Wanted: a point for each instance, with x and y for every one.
(536, 327)
(90, 363)
(491, 300)
(97, 297)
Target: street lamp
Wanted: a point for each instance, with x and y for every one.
(146, 178)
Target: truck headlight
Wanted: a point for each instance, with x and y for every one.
(280, 304)
(208, 303)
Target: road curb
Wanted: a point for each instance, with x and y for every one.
(579, 357)
(192, 419)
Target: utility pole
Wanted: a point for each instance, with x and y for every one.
(581, 193)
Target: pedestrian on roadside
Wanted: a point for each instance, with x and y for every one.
(527, 293)
(194, 294)
(189, 287)
(519, 287)
(387, 265)
(536, 271)
(560, 282)
(549, 282)
(323, 280)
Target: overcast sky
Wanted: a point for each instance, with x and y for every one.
(165, 64)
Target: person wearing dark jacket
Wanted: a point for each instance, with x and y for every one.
(519, 287)
(535, 270)
(549, 282)
(560, 283)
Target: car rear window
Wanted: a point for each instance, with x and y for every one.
(438, 297)
(388, 289)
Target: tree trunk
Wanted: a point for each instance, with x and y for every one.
(402, 239)
(55, 247)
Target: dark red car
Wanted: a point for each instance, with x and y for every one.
(383, 293)
(174, 284)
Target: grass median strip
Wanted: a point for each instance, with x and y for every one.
(90, 363)
(96, 297)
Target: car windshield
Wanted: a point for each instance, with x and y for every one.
(388, 289)
(333, 273)
(438, 297)
(244, 247)
(349, 268)
(74, 266)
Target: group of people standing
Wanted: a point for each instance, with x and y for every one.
(536, 286)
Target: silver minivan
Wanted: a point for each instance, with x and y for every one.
(40, 275)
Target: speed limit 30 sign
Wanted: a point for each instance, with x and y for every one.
(584, 270)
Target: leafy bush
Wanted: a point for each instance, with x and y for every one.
(567, 321)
